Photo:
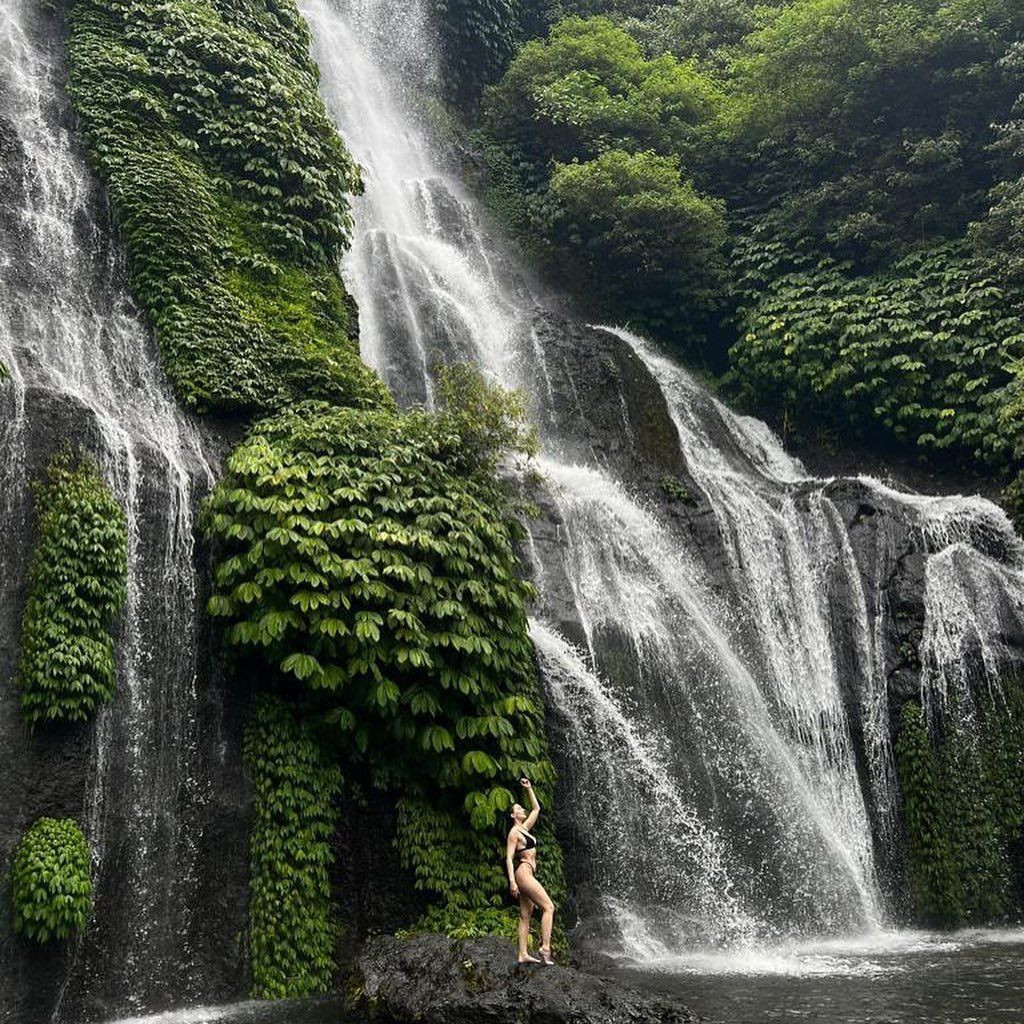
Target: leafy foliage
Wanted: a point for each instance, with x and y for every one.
(489, 421)
(1000, 233)
(229, 184)
(935, 884)
(478, 39)
(978, 852)
(462, 868)
(693, 28)
(51, 888)
(647, 237)
(963, 806)
(588, 88)
(363, 562)
(76, 589)
(587, 141)
(556, 10)
(840, 145)
(367, 561)
(674, 489)
(1002, 758)
(459, 866)
(864, 125)
(927, 353)
(293, 931)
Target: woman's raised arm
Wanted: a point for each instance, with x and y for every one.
(531, 818)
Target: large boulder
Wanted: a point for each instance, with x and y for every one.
(432, 979)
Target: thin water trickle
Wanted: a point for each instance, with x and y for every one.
(720, 693)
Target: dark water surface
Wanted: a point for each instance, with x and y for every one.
(974, 977)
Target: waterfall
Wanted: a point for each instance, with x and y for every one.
(85, 371)
(721, 711)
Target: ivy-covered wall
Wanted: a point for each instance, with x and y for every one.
(293, 924)
(76, 588)
(962, 782)
(367, 564)
(231, 188)
(478, 39)
(928, 352)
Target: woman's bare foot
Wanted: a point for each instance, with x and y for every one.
(529, 959)
(546, 957)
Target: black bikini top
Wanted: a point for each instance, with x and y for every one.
(530, 842)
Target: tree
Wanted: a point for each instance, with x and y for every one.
(644, 236)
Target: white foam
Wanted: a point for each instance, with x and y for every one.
(195, 1015)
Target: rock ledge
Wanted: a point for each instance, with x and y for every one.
(431, 979)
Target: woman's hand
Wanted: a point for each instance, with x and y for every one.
(514, 889)
(526, 784)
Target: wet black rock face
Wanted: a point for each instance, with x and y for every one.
(42, 773)
(597, 402)
(432, 979)
(50, 772)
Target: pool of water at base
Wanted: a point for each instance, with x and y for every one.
(970, 977)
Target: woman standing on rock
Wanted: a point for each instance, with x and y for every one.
(521, 861)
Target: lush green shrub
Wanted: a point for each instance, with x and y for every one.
(588, 88)
(51, 887)
(229, 184)
(76, 588)
(478, 39)
(925, 354)
(293, 929)
(865, 125)
(647, 241)
(692, 28)
(363, 560)
(587, 143)
(556, 10)
(934, 880)
(366, 563)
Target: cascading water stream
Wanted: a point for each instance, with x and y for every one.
(84, 371)
(721, 694)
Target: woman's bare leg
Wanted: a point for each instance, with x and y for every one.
(525, 913)
(536, 892)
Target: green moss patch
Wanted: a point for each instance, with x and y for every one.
(230, 186)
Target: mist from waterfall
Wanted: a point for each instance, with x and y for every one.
(80, 358)
(704, 732)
